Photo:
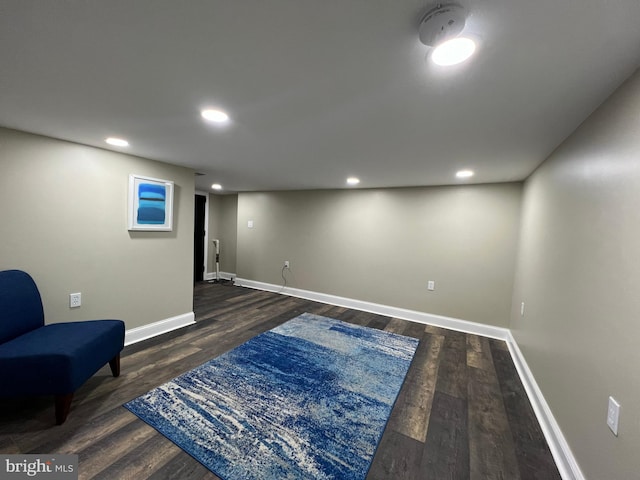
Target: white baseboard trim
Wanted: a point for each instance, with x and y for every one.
(402, 313)
(562, 454)
(157, 328)
(223, 276)
(565, 461)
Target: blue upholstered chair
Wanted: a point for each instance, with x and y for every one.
(55, 359)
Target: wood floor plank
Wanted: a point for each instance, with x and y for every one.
(479, 353)
(498, 344)
(446, 450)
(491, 447)
(321, 309)
(183, 467)
(452, 373)
(379, 322)
(355, 317)
(399, 459)
(432, 329)
(415, 330)
(532, 452)
(143, 460)
(76, 439)
(336, 312)
(448, 407)
(410, 415)
(396, 325)
(104, 458)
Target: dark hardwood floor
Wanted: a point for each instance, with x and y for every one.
(462, 412)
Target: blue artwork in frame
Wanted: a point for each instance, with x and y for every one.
(150, 204)
(152, 199)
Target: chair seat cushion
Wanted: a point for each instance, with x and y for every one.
(58, 358)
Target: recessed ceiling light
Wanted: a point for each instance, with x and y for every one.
(216, 186)
(464, 174)
(353, 181)
(453, 51)
(216, 116)
(117, 142)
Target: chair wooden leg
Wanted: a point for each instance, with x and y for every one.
(63, 405)
(114, 363)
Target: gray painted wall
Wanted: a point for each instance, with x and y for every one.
(63, 211)
(223, 222)
(578, 272)
(383, 246)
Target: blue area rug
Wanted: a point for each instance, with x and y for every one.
(308, 399)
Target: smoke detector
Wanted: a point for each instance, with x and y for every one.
(441, 23)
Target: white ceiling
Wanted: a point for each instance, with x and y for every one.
(317, 90)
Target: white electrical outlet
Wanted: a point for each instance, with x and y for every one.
(75, 300)
(613, 415)
(286, 264)
(431, 285)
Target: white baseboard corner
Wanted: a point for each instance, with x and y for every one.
(138, 334)
(565, 461)
(223, 276)
(562, 454)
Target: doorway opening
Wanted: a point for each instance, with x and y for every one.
(199, 237)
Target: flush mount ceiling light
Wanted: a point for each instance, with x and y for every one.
(464, 173)
(214, 115)
(453, 51)
(117, 142)
(439, 28)
(353, 181)
(216, 186)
